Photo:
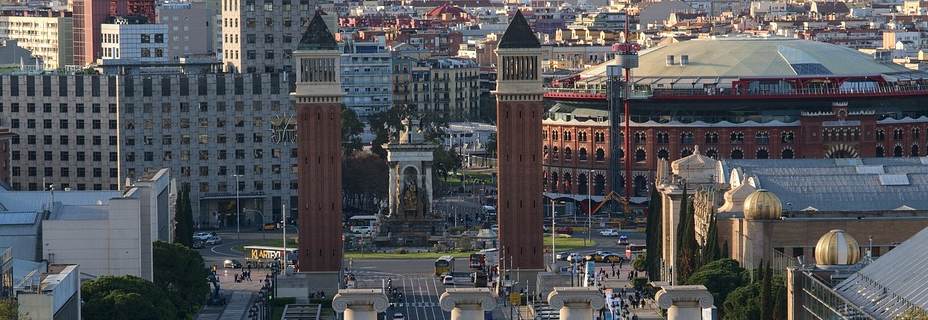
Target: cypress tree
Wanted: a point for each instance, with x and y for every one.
(183, 219)
(766, 304)
(779, 304)
(690, 248)
(711, 251)
(654, 235)
(681, 229)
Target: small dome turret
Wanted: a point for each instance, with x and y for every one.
(837, 248)
(762, 205)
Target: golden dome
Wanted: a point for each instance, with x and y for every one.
(837, 248)
(762, 205)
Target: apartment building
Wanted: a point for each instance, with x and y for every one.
(47, 34)
(260, 36)
(366, 68)
(450, 86)
(90, 14)
(224, 136)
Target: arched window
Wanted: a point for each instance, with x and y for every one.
(582, 184)
(544, 134)
(554, 182)
(566, 135)
(712, 153)
(787, 154)
(600, 154)
(786, 137)
(712, 137)
(663, 154)
(544, 151)
(599, 185)
(914, 152)
(686, 138)
(897, 134)
(915, 133)
(663, 137)
(880, 135)
(619, 155)
(554, 153)
(554, 135)
(737, 154)
(568, 154)
(568, 183)
(639, 155)
(897, 151)
(762, 154)
(640, 186)
(880, 152)
(685, 152)
(640, 137)
(581, 154)
(737, 137)
(762, 137)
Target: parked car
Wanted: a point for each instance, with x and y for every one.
(233, 264)
(574, 257)
(562, 256)
(595, 256)
(198, 244)
(201, 236)
(609, 232)
(447, 280)
(214, 240)
(611, 258)
(623, 240)
(399, 316)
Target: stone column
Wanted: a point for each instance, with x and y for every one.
(576, 303)
(467, 303)
(360, 304)
(684, 302)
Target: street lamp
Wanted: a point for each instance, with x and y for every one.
(238, 209)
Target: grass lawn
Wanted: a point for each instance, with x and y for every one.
(404, 256)
(567, 243)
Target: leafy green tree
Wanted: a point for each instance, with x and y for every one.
(446, 161)
(125, 297)
(721, 277)
(183, 219)
(180, 273)
(364, 179)
(388, 124)
(352, 127)
(743, 303)
(653, 235)
(10, 310)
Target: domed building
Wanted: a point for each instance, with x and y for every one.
(791, 212)
(736, 98)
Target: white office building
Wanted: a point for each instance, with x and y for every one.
(366, 77)
(126, 42)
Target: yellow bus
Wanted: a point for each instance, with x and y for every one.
(444, 265)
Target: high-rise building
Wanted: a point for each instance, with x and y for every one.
(318, 99)
(92, 132)
(260, 36)
(519, 113)
(46, 33)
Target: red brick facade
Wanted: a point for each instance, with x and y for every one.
(520, 173)
(319, 130)
(815, 136)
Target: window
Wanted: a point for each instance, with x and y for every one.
(145, 38)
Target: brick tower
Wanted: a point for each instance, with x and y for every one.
(519, 111)
(318, 107)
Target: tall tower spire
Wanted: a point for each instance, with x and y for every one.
(519, 110)
(318, 107)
